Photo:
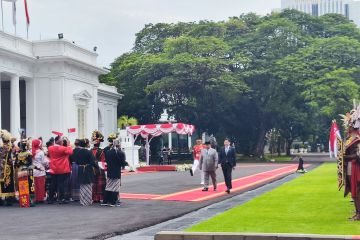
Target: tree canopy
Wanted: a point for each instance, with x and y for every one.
(243, 77)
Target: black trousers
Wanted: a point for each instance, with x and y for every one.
(301, 164)
(227, 171)
(60, 185)
(111, 197)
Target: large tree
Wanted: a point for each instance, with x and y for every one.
(242, 77)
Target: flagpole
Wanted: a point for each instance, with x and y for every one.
(2, 15)
(14, 16)
(27, 19)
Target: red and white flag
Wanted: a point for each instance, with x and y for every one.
(334, 134)
(27, 13)
(57, 133)
(71, 130)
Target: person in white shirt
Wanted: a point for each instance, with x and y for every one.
(40, 163)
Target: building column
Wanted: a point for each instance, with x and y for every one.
(31, 124)
(15, 105)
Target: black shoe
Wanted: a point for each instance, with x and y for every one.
(205, 190)
(191, 172)
(214, 189)
(228, 191)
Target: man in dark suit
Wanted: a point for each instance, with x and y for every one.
(227, 159)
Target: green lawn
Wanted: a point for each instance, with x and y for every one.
(309, 204)
(267, 158)
(277, 158)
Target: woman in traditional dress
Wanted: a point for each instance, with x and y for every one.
(74, 179)
(25, 167)
(41, 164)
(7, 170)
(115, 160)
(85, 160)
(100, 179)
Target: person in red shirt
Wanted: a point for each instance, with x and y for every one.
(60, 169)
(196, 154)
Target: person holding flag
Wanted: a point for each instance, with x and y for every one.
(60, 169)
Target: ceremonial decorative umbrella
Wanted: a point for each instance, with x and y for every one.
(149, 131)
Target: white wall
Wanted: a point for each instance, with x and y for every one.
(59, 75)
(108, 110)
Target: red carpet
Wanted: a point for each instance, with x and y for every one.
(127, 173)
(157, 168)
(138, 196)
(240, 184)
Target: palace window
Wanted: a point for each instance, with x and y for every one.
(82, 122)
(82, 100)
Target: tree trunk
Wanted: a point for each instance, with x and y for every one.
(288, 146)
(279, 147)
(259, 151)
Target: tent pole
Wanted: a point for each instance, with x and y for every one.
(147, 151)
(189, 141)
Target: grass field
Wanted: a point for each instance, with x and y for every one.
(309, 204)
(267, 158)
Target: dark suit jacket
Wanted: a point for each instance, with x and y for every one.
(230, 157)
(115, 160)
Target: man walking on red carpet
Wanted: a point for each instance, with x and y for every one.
(209, 164)
(196, 154)
(227, 159)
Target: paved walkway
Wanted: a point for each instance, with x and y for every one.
(73, 221)
(200, 215)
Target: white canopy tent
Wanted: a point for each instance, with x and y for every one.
(149, 131)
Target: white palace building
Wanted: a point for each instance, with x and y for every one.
(53, 85)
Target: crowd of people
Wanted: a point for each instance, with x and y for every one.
(58, 172)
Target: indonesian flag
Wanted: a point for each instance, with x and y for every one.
(27, 13)
(13, 9)
(71, 130)
(334, 134)
(57, 133)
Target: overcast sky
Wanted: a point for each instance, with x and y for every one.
(111, 24)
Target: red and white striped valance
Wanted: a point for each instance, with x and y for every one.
(158, 129)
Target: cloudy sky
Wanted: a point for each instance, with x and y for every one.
(111, 24)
